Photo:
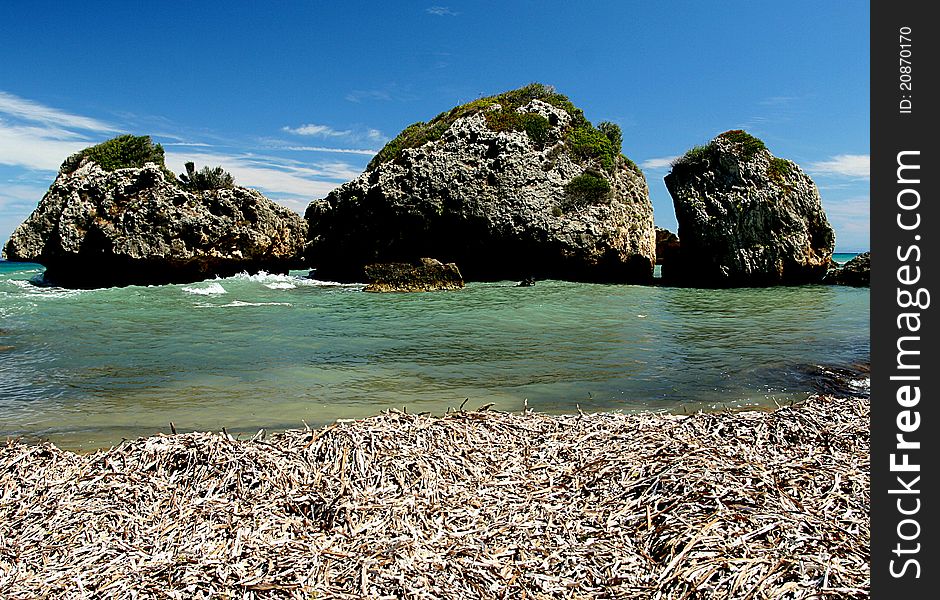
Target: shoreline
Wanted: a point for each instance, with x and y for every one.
(470, 504)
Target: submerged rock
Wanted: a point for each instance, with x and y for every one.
(100, 228)
(856, 272)
(746, 217)
(507, 187)
(426, 275)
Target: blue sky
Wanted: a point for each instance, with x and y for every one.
(294, 97)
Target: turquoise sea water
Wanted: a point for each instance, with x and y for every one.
(88, 368)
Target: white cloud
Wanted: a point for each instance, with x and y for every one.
(37, 148)
(188, 144)
(27, 110)
(844, 165)
(440, 11)
(350, 135)
(317, 130)
(654, 164)
(20, 197)
(851, 219)
(272, 175)
(38, 137)
(363, 152)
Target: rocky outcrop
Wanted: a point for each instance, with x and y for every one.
(513, 186)
(426, 275)
(98, 228)
(746, 217)
(667, 245)
(856, 272)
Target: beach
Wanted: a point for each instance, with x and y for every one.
(472, 504)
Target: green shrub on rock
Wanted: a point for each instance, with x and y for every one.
(586, 143)
(746, 145)
(587, 188)
(613, 133)
(535, 125)
(206, 179)
(122, 152)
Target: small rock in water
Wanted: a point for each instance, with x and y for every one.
(426, 275)
(856, 272)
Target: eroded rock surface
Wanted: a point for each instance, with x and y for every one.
(97, 228)
(426, 275)
(547, 199)
(746, 217)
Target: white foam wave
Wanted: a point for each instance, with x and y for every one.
(42, 291)
(863, 384)
(280, 285)
(322, 283)
(239, 304)
(213, 289)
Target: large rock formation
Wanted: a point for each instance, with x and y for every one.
(512, 186)
(856, 272)
(746, 217)
(426, 275)
(98, 228)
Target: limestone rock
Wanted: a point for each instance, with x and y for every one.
(97, 228)
(667, 245)
(746, 217)
(426, 275)
(856, 272)
(513, 186)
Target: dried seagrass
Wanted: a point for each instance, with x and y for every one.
(469, 505)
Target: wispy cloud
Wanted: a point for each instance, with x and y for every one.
(327, 132)
(187, 144)
(34, 139)
(28, 110)
(317, 131)
(36, 147)
(284, 179)
(39, 137)
(441, 11)
(851, 218)
(385, 93)
(363, 152)
(844, 165)
(655, 164)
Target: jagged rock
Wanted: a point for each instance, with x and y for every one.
(667, 245)
(426, 275)
(98, 228)
(856, 272)
(746, 217)
(508, 187)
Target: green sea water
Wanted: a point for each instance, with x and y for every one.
(85, 369)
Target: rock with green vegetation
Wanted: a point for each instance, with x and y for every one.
(123, 225)
(511, 186)
(746, 218)
(424, 275)
(856, 272)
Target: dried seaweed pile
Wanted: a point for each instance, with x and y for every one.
(470, 505)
